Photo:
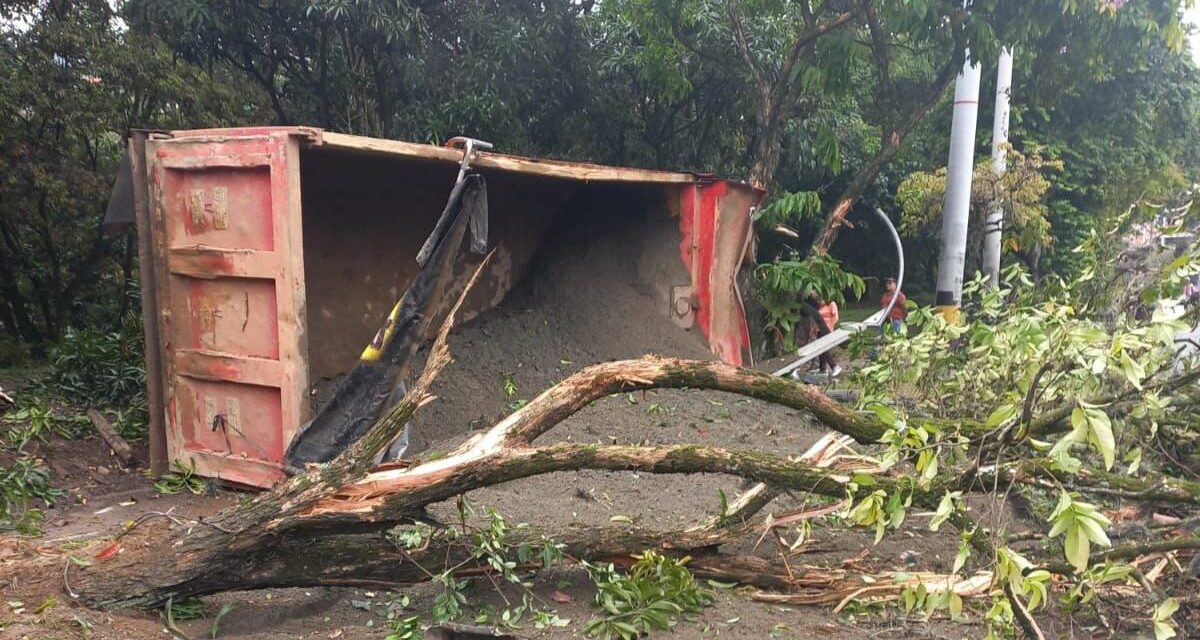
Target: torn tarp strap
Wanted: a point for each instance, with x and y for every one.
(475, 204)
(369, 389)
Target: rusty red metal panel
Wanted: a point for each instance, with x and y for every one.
(729, 334)
(227, 222)
(714, 220)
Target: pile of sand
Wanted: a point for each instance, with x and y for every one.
(595, 292)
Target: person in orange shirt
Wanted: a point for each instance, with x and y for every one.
(827, 312)
(900, 310)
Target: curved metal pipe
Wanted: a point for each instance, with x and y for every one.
(900, 258)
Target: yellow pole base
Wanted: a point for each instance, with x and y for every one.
(949, 312)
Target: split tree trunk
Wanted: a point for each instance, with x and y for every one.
(337, 511)
(325, 527)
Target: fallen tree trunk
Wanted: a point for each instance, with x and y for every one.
(243, 549)
(248, 546)
(147, 566)
(325, 525)
(374, 561)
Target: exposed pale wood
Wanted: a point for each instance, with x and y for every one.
(342, 497)
(293, 317)
(239, 161)
(156, 207)
(208, 263)
(235, 468)
(109, 435)
(486, 160)
(215, 365)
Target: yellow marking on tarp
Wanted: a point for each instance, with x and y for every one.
(382, 337)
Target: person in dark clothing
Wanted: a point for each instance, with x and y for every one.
(824, 317)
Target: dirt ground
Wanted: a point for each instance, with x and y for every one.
(585, 302)
(99, 502)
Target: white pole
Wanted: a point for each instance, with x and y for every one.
(993, 227)
(956, 208)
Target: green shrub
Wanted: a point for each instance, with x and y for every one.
(780, 285)
(103, 369)
(22, 482)
(12, 352)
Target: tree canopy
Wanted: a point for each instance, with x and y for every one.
(840, 99)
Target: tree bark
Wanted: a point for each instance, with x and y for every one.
(109, 435)
(325, 526)
(775, 92)
(372, 560)
(259, 546)
(245, 547)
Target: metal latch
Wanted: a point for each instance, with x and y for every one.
(469, 147)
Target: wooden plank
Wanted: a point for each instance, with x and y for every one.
(109, 435)
(160, 240)
(240, 161)
(516, 164)
(290, 291)
(208, 263)
(148, 278)
(236, 469)
(228, 367)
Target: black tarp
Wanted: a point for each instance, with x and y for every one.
(375, 382)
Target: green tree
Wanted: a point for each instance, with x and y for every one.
(72, 83)
(1021, 191)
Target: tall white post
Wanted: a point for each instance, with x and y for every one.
(993, 227)
(956, 208)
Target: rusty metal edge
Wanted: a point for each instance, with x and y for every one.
(147, 271)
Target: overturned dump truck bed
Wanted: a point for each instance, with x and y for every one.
(270, 256)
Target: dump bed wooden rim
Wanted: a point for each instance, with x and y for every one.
(583, 171)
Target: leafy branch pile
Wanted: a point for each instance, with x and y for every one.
(88, 369)
(24, 479)
(1039, 401)
(650, 596)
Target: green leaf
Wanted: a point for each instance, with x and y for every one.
(1100, 434)
(955, 605)
(1077, 548)
(1080, 524)
(960, 558)
(1133, 370)
(1001, 415)
(1164, 626)
(945, 509)
(863, 480)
